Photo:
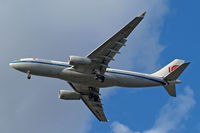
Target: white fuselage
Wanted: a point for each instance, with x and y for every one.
(62, 70)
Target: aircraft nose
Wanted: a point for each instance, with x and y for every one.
(14, 64)
(11, 64)
(18, 65)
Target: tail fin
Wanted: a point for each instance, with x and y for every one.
(170, 73)
(169, 68)
(177, 72)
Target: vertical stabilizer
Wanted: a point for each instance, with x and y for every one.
(169, 68)
(176, 73)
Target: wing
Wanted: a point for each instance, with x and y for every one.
(105, 52)
(90, 97)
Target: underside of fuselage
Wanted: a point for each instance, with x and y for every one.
(62, 70)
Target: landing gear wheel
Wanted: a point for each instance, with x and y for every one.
(93, 94)
(29, 75)
(100, 77)
(94, 97)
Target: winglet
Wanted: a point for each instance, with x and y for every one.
(143, 14)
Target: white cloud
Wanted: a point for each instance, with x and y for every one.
(174, 112)
(171, 115)
(120, 128)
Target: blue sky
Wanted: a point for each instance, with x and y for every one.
(55, 30)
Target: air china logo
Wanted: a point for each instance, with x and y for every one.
(171, 69)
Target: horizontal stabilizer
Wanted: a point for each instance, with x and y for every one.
(171, 89)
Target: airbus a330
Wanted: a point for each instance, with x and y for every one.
(86, 75)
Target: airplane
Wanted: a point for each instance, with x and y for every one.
(86, 75)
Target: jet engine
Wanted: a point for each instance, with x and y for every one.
(69, 95)
(78, 60)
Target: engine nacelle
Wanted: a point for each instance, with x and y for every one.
(69, 95)
(78, 60)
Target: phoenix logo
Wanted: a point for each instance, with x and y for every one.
(172, 68)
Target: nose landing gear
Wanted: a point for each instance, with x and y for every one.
(28, 74)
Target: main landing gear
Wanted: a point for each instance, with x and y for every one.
(99, 76)
(28, 74)
(93, 94)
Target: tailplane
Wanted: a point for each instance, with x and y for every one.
(170, 73)
(171, 89)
